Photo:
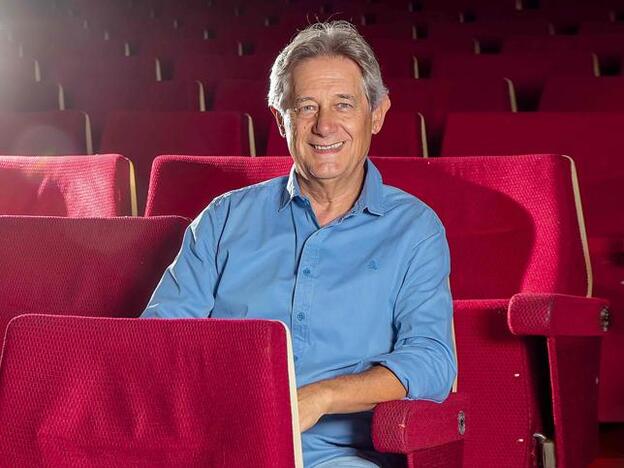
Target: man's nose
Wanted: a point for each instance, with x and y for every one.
(325, 123)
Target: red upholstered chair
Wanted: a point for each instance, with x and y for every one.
(592, 139)
(142, 135)
(45, 133)
(99, 97)
(403, 134)
(103, 267)
(527, 71)
(73, 186)
(71, 69)
(19, 69)
(23, 96)
(435, 98)
(583, 94)
(528, 339)
(248, 96)
(77, 391)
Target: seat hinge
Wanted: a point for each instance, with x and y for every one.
(545, 451)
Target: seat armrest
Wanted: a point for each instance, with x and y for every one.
(552, 315)
(405, 426)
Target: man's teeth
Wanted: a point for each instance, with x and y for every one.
(328, 147)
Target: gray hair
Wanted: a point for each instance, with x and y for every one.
(334, 38)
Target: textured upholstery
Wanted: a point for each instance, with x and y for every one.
(104, 267)
(142, 135)
(512, 202)
(44, 133)
(592, 139)
(74, 186)
(71, 69)
(93, 392)
(435, 98)
(580, 94)
(402, 135)
(527, 71)
(28, 97)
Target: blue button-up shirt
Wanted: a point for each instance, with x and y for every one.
(368, 288)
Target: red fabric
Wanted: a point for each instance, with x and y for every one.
(71, 69)
(98, 97)
(95, 266)
(92, 392)
(555, 315)
(583, 94)
(43, 133)
(248, 96)
(435, 98)
(28, 97)
(17, 69)
(608, 270)
(141, 136)
(204, 178)
(74, 186)
(527, 71)
(405, 426)
(592, 139)
(401, 135)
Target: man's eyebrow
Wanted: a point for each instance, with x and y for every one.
(302, 99)
(346, 96)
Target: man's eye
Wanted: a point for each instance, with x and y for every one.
(344, 106)
(307, 109)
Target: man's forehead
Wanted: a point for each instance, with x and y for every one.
(339, 76)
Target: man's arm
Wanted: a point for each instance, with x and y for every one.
(422, 363)
(186, 288)
(347, 394)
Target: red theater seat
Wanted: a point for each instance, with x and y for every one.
(101, 267)
(502, 215)
(248, 96)
(592, 139)
(583, 94)
(435, 98)
(527, 71)
(45, 133)
(73, 186)
(403, 134)
(70, 69)
(142, 135)
(29, 96)
(96, 392)
(19, 69)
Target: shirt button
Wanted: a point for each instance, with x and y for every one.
(307, 271)
(300, 316)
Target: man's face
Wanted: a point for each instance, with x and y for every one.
(329, 123)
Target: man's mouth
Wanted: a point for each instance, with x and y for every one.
(331, 147)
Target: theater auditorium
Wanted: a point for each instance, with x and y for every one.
(122, 120)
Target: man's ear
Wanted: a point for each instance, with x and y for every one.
(379, 114)
(280, 121)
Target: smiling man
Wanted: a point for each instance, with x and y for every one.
(357, 269)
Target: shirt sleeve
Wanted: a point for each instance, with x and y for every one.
(423, 358)
(187, 286)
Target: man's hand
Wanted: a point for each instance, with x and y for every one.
(314, 402)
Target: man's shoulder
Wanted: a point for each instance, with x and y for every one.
(253, 194)
(408, 207)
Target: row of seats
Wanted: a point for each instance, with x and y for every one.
(513, 201)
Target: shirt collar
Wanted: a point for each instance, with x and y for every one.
(370, 199)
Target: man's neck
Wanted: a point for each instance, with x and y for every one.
(330, 200)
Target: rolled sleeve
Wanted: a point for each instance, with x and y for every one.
(187, 286)
(423, 357)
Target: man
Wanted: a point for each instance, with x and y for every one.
(357, 270)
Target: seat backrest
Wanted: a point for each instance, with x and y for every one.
(70, 69)
(106, 267)
(403, 134)
(142, 135)
(73, 186)
(45, 133)
(26, 96)
(99, 392)
(591, 139)
(503, 212)
(582, 94)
